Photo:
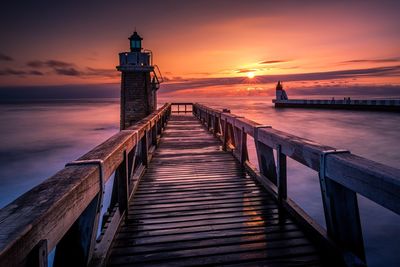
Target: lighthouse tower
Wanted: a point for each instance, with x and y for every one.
(139, 83)
(280, 92)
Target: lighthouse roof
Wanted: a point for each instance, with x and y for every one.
(135, 36)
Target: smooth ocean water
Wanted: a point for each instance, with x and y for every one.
(38, 138)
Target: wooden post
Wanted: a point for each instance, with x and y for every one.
(154, 134)
(38, 256)
(240, 137)
(132, 156)
(215, 125)
(281, 171)
(243, 147)
(225, 136)
(76, 246)
(265, 156)
(163, 120)
(159, 128)
(144, 150)
(341, 214)
(231, 135)
(123, 185)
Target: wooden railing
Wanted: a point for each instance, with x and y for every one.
(341, 174)
(64, 212)
(185, 107)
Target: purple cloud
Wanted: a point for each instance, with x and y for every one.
(316, 76)
(273, 61)
(381, 60)
(15, 72)
(4, 57)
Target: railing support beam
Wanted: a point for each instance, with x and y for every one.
(265, 157)
(342, 215)
(281, 171)
(38, 256)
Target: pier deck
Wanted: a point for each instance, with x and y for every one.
(197, 206)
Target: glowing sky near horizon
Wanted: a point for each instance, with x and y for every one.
(71, 42)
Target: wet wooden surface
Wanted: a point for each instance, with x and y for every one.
(196, 206)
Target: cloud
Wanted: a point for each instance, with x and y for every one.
(245, 70)
(9, 71)
(110, 73)
(316, 76)
(49, 63)
(67, 71)
(381, 60)
(273, 61)
(36, 72)
(173, 79)
(70, 69)
(58, 67)
(35, 64)
(4, 57)
(15, 72)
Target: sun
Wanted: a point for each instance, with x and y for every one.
(250, 75)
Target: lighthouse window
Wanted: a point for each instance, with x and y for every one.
(135, 44)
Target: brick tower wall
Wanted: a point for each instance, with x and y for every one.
(137, 97)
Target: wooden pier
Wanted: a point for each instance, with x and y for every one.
(353, 104)
(183, 193)
(282, 101)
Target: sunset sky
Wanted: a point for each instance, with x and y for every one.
(202, 43)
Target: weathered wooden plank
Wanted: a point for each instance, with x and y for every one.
(124, 246)
(203, 231)
(216, 250)
(185, 205)
(210, 188)
(206, 216)
(237, 255)
(376, 181)
(62, 198)
(210, 210)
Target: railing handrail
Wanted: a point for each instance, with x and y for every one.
(47, 211)
(378, 182)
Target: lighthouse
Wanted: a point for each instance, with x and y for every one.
(139, 82)
(280, 92)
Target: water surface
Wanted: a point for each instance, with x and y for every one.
(38, 138)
